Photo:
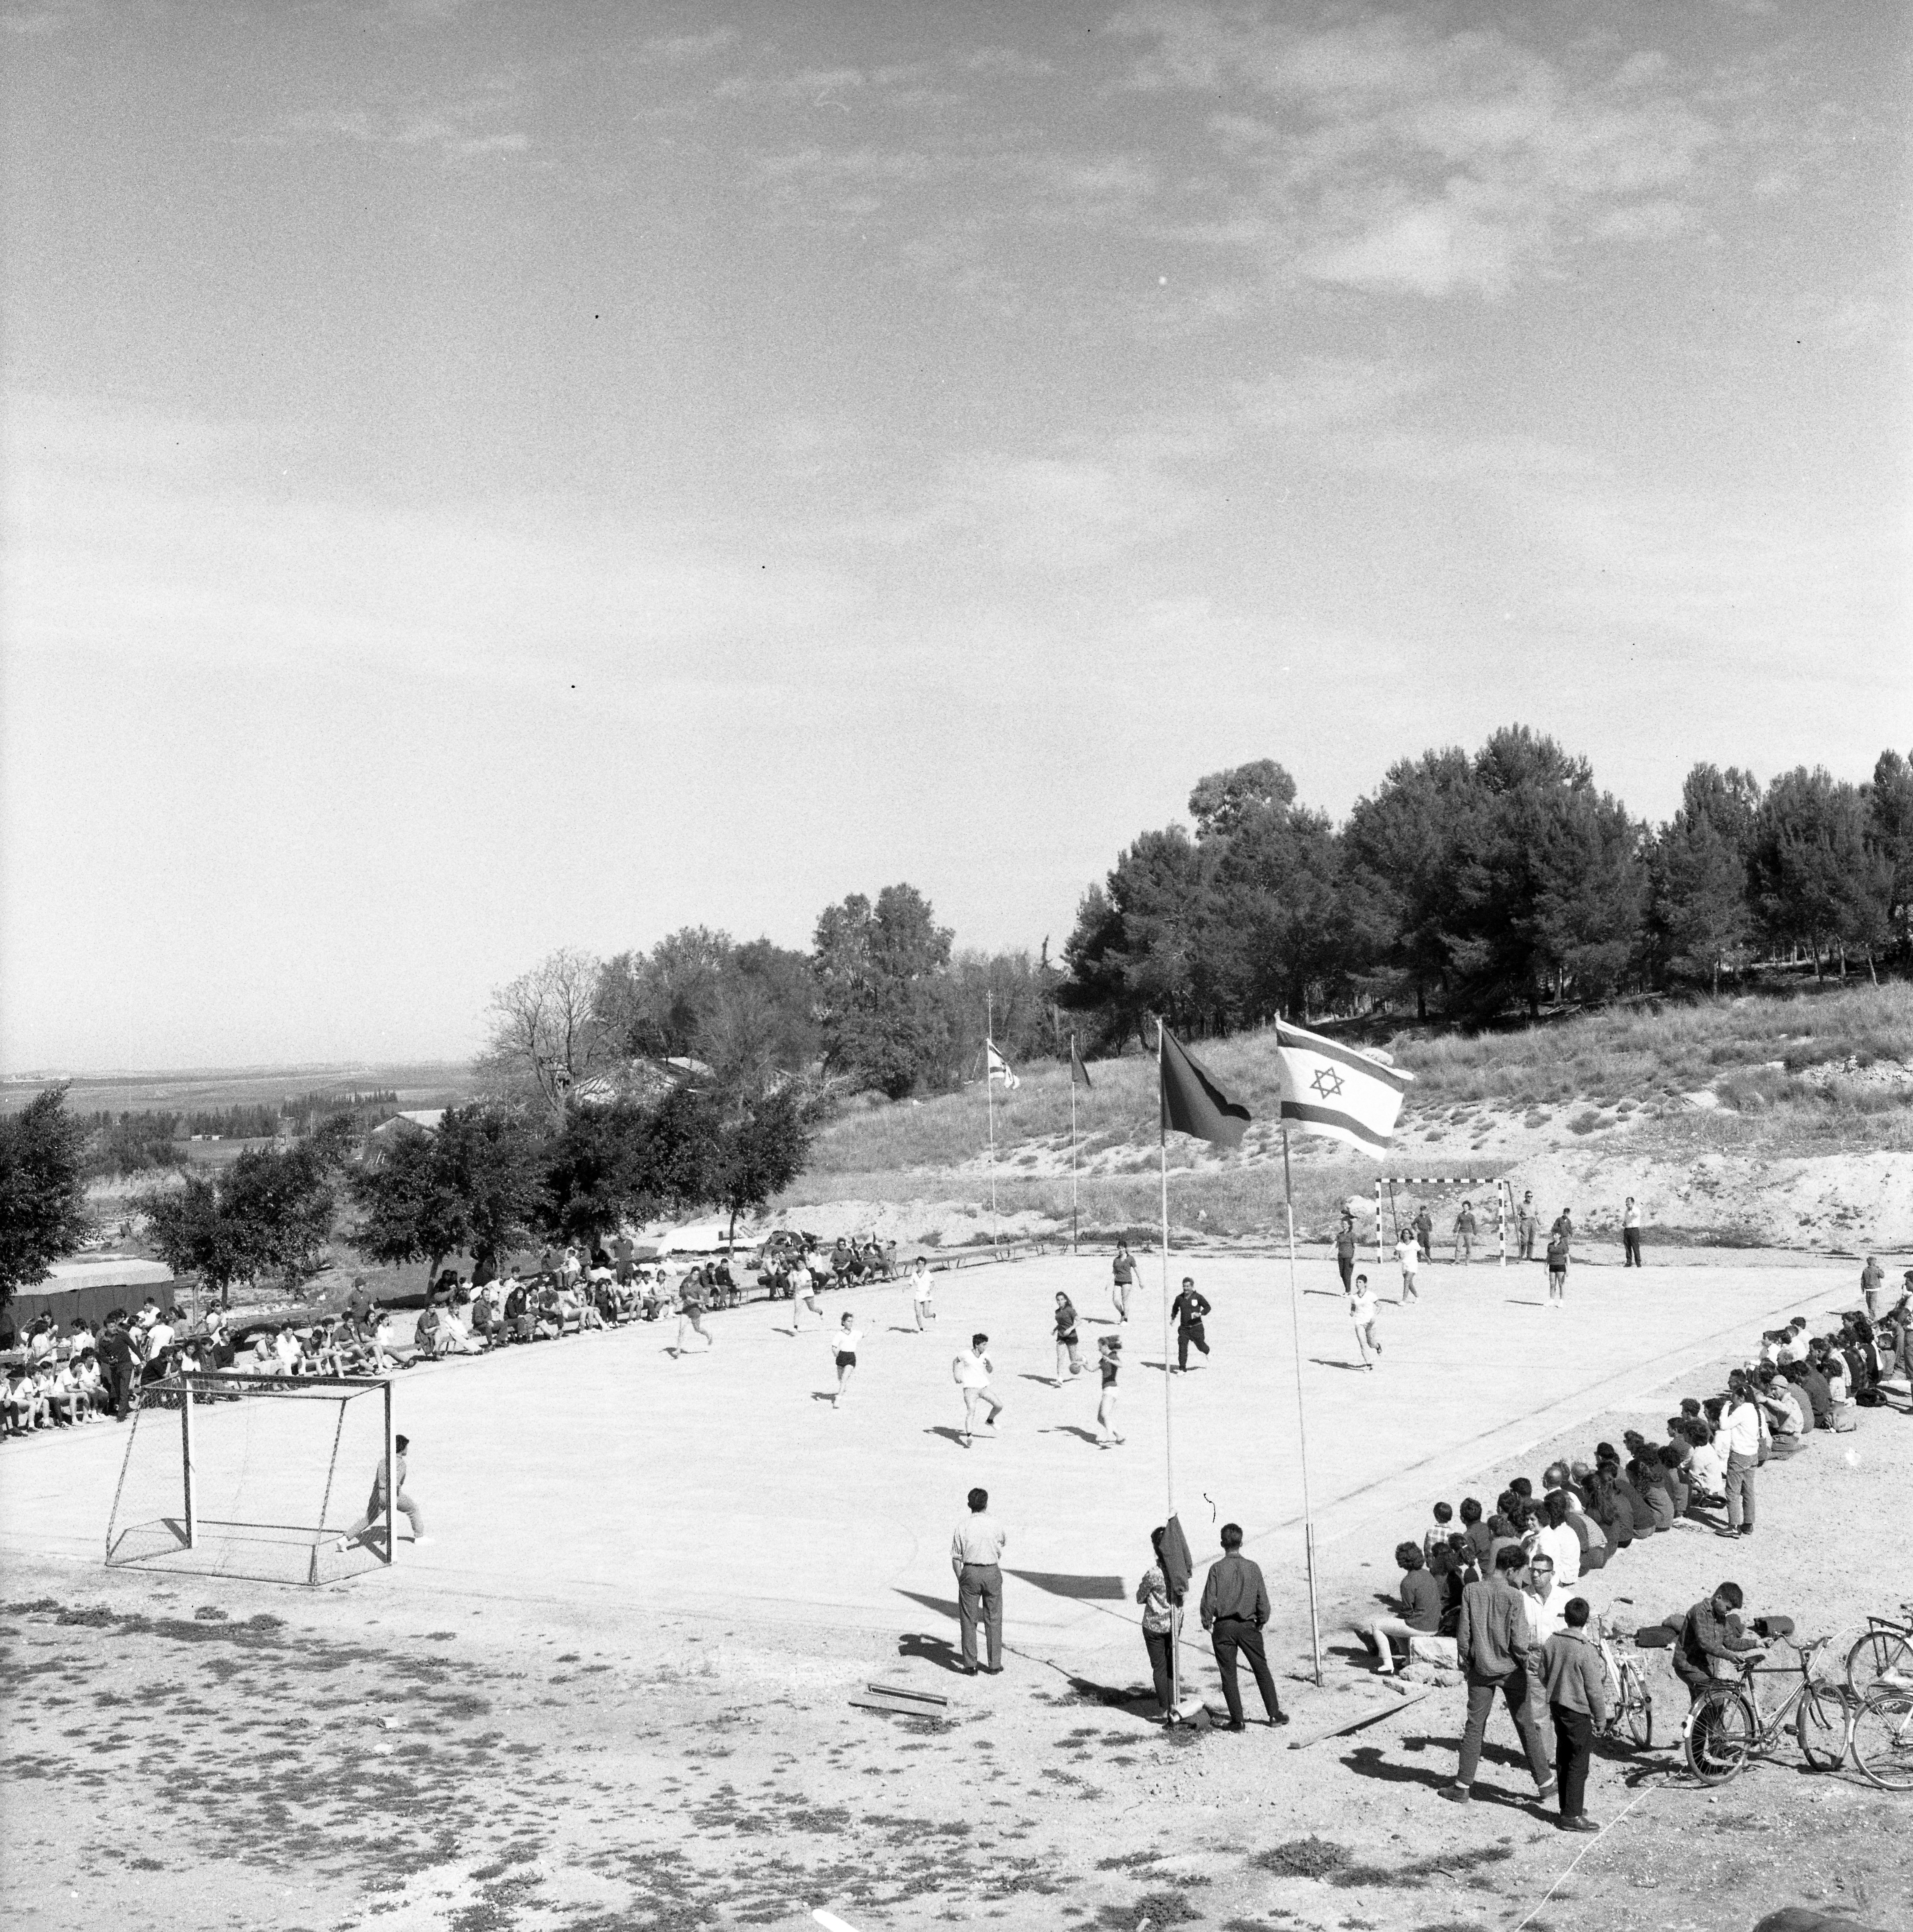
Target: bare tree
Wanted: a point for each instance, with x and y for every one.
(547, 1040)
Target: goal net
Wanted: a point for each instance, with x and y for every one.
(254, 1476)
(1395, 1215)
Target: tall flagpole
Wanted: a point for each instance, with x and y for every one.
(990, 1102)
(1168, 1408)
(1072, 1143)
(1301, 1419)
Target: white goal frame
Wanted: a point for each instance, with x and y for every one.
(189, 1389)
(1504, 1203)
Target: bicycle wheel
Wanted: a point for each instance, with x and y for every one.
(1878, 1654)
(1718, 1738)
(1883, 1739)
(1820, 1727)
(1637, 1708)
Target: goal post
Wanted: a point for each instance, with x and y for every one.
(228, 1474)
(1504, 1203)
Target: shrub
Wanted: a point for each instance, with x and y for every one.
(1302, 1858)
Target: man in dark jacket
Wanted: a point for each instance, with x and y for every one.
(115, 1354)
(1494, 1641)
(1345, 1250)
(1235, 1605)
(1189, 1308)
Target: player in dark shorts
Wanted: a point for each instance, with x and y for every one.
(691, 1297)
(844, 1343)
(1122, 1271)
(1109, 1361)
(1189, 1308)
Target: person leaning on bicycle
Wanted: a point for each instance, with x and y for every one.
(1710, 1644)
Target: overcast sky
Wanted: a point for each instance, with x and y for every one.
(481, 477)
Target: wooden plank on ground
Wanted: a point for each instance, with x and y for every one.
(909, 1690)
(900, 1707)
(1370, 1715)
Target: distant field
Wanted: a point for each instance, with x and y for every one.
(418, 1084)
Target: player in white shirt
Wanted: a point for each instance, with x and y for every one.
(1361, 1312)
(971, 1371)
(919, 1291)
(1408, 1257)
(845, 1342)
(803, 1292)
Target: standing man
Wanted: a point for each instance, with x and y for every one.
(1464, 1231)
(1344, 1249)
(1630, 1235)
(1425, 1232)
(1235, 1605)
(1529, 1223)
(1492, 1641)
(971, 1371)
(1577, 1702)
(1872, 1277)
(1122, 1278)
(976, 1553)
(115, 1354)
(375, 1507)
(1189, 1308)
(358, 1304)
(623, 1252)
(1408, 1258)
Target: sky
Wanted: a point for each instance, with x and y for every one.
(479, 477)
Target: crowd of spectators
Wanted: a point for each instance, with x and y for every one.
(70, 1379)
(1702, 1476)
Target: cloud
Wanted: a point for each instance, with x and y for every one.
(683, 49)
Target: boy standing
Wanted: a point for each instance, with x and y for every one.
(1577, 1702)
(919, 1292)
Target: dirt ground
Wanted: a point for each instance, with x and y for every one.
(527, 1724)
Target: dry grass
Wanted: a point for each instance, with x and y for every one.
(1752, 1050)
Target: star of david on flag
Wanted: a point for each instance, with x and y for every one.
(1331, 1089)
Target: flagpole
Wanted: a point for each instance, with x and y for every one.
(1301, 1419)
(1072, 1143)
(1168, 1406)
(990, 1102)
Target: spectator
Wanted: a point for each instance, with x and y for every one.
(1492, 1642)
(1418, 1597)
(1576, 1685)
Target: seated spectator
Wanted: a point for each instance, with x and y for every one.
(519, 1319)
(425, 1334)
(454, 1337)
(547, 1316)
(25, 1407)
(1420, 1600)
(1437, 1538)
(41, 1340)
(1707, 1466)
(1648, 1480)
(1592, 1537)
(257, 1358)
(483, 1317)
(287, 1350)
(1555, 1539)
(1781, 1418)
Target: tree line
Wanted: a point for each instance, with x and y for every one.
(1472, 885)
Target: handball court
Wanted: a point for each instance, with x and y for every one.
(597, 1478)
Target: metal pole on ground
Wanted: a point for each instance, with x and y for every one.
(1301, 1418)
(186, 1455)
(391, 1480)
(990, 1101)
(1169, 1402)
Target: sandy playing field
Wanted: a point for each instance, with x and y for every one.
(670, 1575)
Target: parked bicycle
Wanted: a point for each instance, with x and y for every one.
(1630, 1707)
(1880, 1735)
(1729, 1727)
(1885, 1652)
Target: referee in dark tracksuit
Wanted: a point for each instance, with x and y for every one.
(1189, 1308)
(1235, 1605)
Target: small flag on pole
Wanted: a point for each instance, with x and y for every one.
(1078, 1071)
(1333, 1090)
(1193, 1103)
(999, 1067)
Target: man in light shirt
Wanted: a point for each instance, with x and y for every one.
(976, 1550)
(1556, 1539)
(1739, 1434)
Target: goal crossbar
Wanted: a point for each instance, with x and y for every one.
(1504, 1203)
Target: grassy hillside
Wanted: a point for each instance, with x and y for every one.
(1805, 1074)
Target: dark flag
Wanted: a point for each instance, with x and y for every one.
(1078, 1071)
(1178, 1565)
(1192, 1103)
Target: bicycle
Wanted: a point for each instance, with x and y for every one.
(1728, 1727)
(1630, 1719)
(1880, 1734)
(1885, 1652)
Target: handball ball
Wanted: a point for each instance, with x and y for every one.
(1853, 1459)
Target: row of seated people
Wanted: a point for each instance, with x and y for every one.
(1702, 1478)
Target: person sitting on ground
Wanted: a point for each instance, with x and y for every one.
(91, 1383)
(425, 1335)
(1420, 1597)
(1707, 1466)
(1782, 1417)
(1480, 1538)
(1437, 1538)
(1558, 1476)
(23, 1403)
(548, 1319)
(1592, 1538)
(1555, 1538)
(1648, 1475)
